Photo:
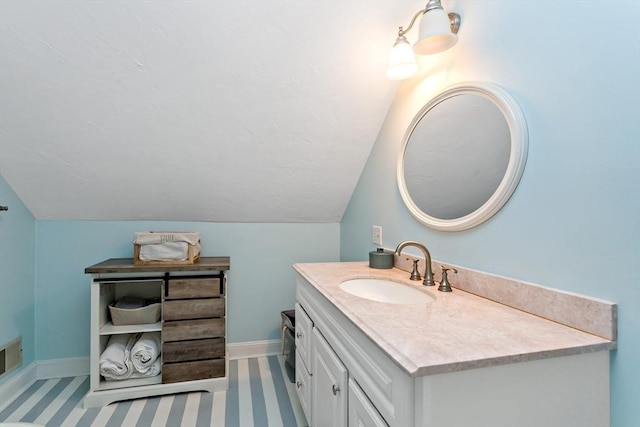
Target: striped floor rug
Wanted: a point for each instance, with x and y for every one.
(259, 395)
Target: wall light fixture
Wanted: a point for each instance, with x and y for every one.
(438, 32)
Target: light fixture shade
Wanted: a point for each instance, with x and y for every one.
(402, 61)
(435, 33)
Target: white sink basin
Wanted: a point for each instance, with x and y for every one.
(383, 290)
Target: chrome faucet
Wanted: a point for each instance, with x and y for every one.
(428, 274)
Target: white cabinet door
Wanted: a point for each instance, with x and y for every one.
(329, 385)
(361, 410)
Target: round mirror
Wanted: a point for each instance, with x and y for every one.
(463, 156)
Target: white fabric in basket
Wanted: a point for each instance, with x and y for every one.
(163, 251)
(174, 251)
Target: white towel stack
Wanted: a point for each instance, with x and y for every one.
(131, 356)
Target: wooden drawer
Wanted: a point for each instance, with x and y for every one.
(182, 330)
(189, 371)
(185, 288)
(193, 309)
(182, 351)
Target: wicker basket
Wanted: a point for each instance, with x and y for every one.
(135, 316)
(193, 247)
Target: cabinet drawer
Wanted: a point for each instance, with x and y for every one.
(193, 309)
(193, 288)
(303, 387)
(189, 371)
(304, 325)
(182, 351)
(182, 330)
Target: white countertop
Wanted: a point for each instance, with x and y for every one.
(454, 332)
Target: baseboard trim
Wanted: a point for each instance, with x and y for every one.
(244, 350)
(62, 368)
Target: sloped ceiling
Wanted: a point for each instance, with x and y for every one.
(230, 111)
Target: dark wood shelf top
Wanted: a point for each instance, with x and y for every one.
(126, 265)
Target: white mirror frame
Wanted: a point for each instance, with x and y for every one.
(517, 159)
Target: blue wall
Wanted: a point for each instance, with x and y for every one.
(17, 272)
(45, 295)
(574, 221)
(261, 282)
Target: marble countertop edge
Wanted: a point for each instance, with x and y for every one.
(507, 360)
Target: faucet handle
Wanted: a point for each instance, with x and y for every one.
(444, 283)
(415, 274)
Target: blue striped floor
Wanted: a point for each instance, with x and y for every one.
(259, 395)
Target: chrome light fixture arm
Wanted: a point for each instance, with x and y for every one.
(454, 18)
(402, 31)
(438, 32)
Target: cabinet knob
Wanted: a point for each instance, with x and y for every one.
(298, 335)
(298, 384)
(335, 389)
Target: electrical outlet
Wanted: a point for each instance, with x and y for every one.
(376, 234)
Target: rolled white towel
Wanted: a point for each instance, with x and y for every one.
(145, 351)
(115, 360)
(153, 370)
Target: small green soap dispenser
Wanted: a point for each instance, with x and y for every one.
(381, 259)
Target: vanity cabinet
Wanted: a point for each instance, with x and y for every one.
(192, 326)
(374, 390)
(343, 365)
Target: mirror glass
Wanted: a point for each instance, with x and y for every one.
(462, 156)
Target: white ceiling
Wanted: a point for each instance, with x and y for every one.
(231, 111)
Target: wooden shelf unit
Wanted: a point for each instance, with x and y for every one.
(192, 326)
